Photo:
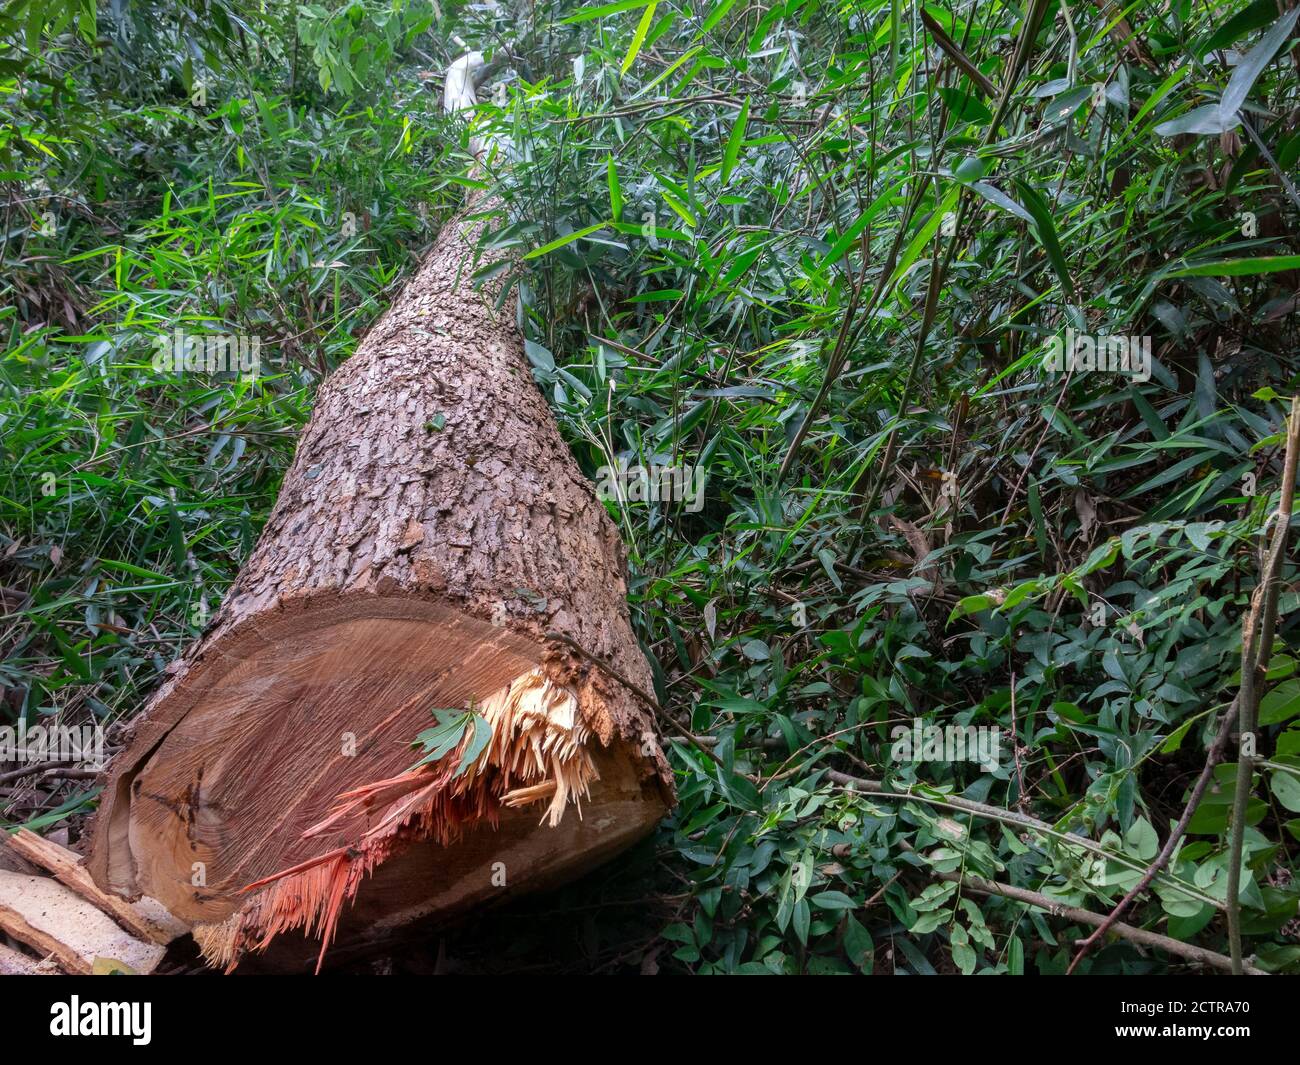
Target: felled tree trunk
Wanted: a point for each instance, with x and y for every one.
(434, 545)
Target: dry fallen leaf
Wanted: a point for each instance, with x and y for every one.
(1087, 511)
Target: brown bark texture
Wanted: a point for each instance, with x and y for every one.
(432, 529)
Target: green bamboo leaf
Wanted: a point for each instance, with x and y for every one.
(999, 198)
(668, 72)
(680, 209)
(895, 35)
(924, 235)
(615, 191)
(1264, 264)
(970, 170)
(1260, 13)
(850, 236)
(1247, 72)
(638, 38)
(1206, 120)
(971, 604)
(732, 152)
(586, 14)
(966, 106)
(560, 242)
(1045, 229)
(715, 16)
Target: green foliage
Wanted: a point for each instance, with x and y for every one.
(452, 728)
(779, 183)
(798, 246)
(130, 496)
(354, 44)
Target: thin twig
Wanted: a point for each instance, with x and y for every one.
(1140, 936)
(31, 770)
(1257, 647)
(954, 52)
(878, 789)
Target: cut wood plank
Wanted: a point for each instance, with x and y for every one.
(146, 918)
(11, 861)
(15, 963)
(54, 920)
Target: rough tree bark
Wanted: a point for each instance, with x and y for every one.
(431, 537)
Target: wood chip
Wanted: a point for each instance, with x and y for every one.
(53, 919)
(147, 919)
(15, 963)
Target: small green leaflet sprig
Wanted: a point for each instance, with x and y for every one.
(446, 736)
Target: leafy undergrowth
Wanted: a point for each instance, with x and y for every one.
(815, 254)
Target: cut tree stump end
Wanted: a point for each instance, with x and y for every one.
(272, 790)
